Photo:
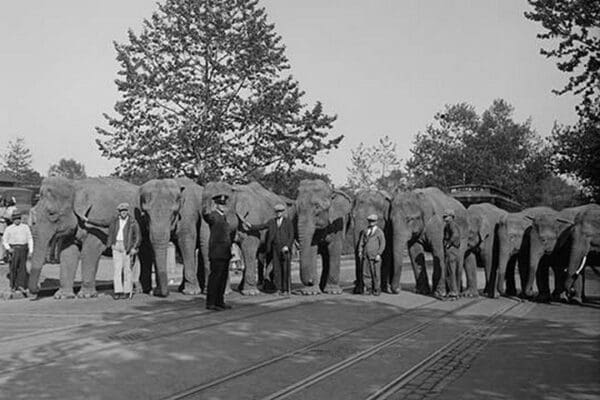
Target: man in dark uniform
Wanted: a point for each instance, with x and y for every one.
(451, 246)
(219, 253)
(280, 238)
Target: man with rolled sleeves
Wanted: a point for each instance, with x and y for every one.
(451, 247)
(370, 248)
(219, 252)
(18, 242)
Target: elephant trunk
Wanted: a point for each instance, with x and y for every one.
(308, 251)
(401, 237)
(160, 245)
(503, 257)
(577, 257)
(41, 249)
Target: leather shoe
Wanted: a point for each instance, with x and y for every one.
(224, 306)
(214, 308)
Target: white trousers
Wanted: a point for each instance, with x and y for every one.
(122, 281)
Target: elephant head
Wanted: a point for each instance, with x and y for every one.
(367, 202)
(515, 225)
(585, 239)
(53, 219)
(545, 228)
(320, 212)
(160, 203)
(411, 211)
(479, 229)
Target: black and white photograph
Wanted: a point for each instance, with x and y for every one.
(300, 199)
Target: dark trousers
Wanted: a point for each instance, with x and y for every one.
(281, 271)
(451, 269)
(18, 267)
(371, 269)
(217, 281)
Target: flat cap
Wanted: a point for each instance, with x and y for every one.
(372, 217)
(220, 199)
(279, 207)
(16, 214)
(123, 206)
(448, 213)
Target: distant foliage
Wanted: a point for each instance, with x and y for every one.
(206, 93)
(287, 182)
(461, 147)
(377, 167)
(574, 26)
(69, 168)
(16, 163)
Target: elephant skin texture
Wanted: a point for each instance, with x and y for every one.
(61, 236)
(418, 227)
(322, 217)
(544, 245)
(583, 243)
(485, 237)
(169, 211)
(367, 202)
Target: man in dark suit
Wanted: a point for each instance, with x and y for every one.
(222, 234)
(279, 241)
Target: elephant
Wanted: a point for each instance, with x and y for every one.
(583, 248)
(486, 235)
(170, 210)
(377, 202)
(61, 236)
(322, 219)
(544, 241)
(418, 226)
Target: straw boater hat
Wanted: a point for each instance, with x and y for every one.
(372, 217)
(123, 207)
(279, 207)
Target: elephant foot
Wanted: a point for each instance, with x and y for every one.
(394, 290)
(440, 295)
(191, 291)
(561, 298)
(423, 291)
(63, 294)
(470, 293)
(250, 292)
(333, 289)
(576, 300)
(87, 293)
(542, 298)
(528, 294)
(309, 290)
(358, 290)
(158, 293)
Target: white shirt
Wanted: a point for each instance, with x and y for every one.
(122, 223)
(371, 230)
(17, 234)
(279, 221)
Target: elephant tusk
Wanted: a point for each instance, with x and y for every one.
(581, 266)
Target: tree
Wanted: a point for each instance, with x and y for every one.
(286, 182)
(373, 166)
(69, 168)
(574, 26)
(465, 148)
(17, 163)
(205, 94)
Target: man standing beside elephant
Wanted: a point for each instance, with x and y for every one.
(219, 253)
(370, 248)
(280, 239)
(18, 242)
(451, 247)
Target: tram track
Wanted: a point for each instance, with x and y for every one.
(196, 392)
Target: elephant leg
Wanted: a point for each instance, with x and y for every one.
(487, 260)
(187, 245)
(451, 261)
(534, 260)
(543, 281)
(69, 259)
(470, 266)
(249, 247)
(417, 260)
(334, 253)
(358, 276)
(91, 250)
(439, 278)
(511, 287)
(560, 277)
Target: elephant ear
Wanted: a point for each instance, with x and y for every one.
(341, 205)
(485, 229)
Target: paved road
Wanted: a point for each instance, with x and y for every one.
(269, 347)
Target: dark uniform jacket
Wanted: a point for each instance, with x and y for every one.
(451, 235)
(221, 236)
(371, 245)
(131, 233)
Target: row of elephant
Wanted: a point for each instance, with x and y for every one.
(171, 209)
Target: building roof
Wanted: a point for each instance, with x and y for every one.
(7, 180)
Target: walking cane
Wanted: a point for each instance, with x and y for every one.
(131, 265)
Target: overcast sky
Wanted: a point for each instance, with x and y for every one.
(384, 67)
